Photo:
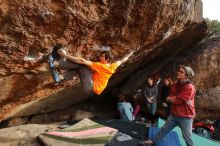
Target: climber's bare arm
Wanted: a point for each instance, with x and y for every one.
(123, 60)
(78, 60)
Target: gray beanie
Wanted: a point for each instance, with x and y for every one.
(189, 71)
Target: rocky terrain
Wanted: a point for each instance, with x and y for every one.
(25, 135)
(163, 34)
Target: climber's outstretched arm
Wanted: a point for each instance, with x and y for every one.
(78, 60)
(123, 60)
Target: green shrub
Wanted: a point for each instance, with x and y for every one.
(214, 27)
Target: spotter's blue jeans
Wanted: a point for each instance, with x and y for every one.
(185, 125)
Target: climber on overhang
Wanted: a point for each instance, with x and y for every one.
(94, 82)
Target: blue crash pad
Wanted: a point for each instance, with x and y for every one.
(171, 139)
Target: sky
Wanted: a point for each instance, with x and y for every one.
(211, 9)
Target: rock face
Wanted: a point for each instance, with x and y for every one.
(25, 135)
(153, 28)
(208, 104)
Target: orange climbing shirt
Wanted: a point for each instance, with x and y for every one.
(101, 75)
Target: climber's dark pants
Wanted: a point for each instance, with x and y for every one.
(84, 72)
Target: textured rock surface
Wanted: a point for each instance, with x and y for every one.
(24, 135)
(154, 28)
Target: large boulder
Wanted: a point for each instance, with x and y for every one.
(28, 29)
